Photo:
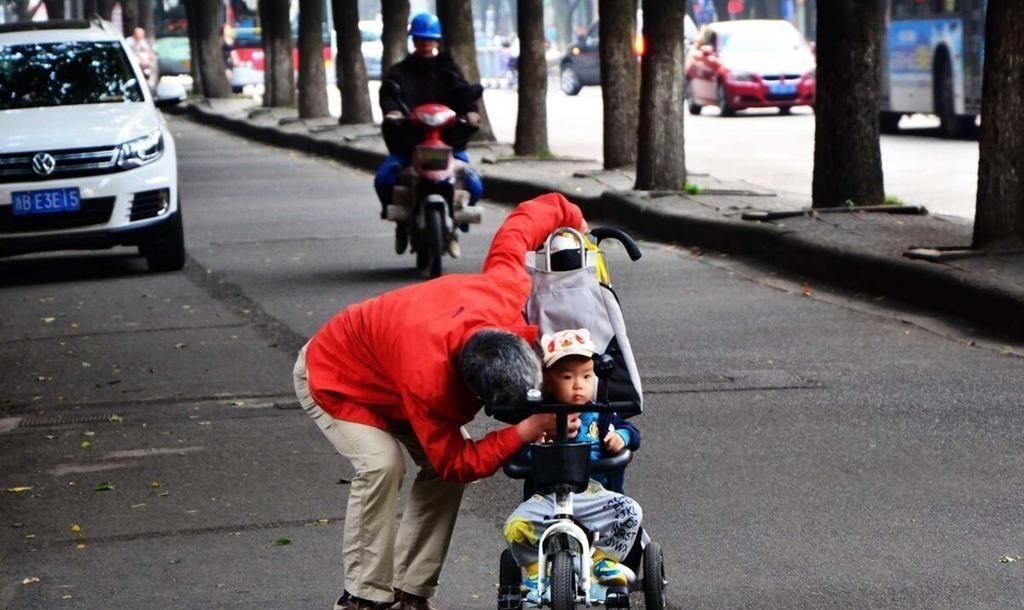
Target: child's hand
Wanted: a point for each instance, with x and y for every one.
(613, 442)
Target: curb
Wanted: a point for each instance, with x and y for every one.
(922, 284)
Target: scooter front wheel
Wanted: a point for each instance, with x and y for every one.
(563, 582)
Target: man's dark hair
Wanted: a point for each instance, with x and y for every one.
(499, 366)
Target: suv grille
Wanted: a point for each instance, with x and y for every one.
(148, 204)
(70, 163)
(95, 211)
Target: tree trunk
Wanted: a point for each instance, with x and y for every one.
(661, 162)
(192, 17)
(212, 71)
(847, 158)
(312, 75)
(619, 82)
(279, 70)
(55, 9)
(395, 14)
(721, 10)
(130, 16)
(105, 9)
(532, 120)
(146, 18)
(999, 211)
(457, 25)
(351, 68)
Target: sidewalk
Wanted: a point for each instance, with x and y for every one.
(901, 253)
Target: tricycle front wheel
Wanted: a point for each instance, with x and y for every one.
(563, 582)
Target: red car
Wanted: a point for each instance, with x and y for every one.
(755, 63)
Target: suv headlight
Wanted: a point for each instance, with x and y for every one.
(140, 151)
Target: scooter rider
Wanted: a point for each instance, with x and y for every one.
(425, 76)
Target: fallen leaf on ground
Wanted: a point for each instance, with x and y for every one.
(75, 528)
(154, 484)
(30, 580)
(180, 345)
(48, 320)
(282, 542)
(806, 290)
(86, 444)
(19, 489)
(104, 486)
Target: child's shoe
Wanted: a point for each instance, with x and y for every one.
(609, 572)
(530, 595)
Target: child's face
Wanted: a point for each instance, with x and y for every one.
(571, 380)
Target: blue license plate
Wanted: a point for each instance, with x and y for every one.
(782, 89)
(48, 201)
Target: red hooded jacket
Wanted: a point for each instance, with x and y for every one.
(392, 359)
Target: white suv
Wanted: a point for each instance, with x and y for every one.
(86, 160)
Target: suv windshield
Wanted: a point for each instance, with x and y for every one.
(66, 73)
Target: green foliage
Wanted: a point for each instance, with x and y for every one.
(892, 200)
(691, 188)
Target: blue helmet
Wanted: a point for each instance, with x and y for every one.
(425, 25)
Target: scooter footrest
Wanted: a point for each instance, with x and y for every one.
(468, 215)
(398, 213)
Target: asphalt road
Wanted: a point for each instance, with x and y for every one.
(802, 448)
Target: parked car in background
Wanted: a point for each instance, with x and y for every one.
(756, 63)
(86, 160)
(581, 65)
(247, 61)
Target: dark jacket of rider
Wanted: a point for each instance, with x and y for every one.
(434, 80)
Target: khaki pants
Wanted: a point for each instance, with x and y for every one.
(376, 560)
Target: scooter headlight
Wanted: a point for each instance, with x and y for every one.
(432, 157)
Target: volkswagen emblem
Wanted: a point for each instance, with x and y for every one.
(43, 163)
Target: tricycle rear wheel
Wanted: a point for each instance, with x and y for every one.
(510, 580)
(655, 597)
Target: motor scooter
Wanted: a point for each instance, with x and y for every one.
(427, 198)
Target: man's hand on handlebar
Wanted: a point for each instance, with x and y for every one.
(540, 427)
(473, 118)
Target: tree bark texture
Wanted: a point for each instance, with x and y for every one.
(351, 69)
(130, 16)
(55, 9)
(999, 211)
(192, 16)
(459, 39)
(661, 161)
(847, 157)
(532, 119)
(146, 19)
(279, 71)
(619, 82)
(212, 71)
(312, 76)
(395, 14)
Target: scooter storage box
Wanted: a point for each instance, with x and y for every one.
(560, 465)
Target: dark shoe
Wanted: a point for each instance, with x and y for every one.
(408, 601)
(401, 239)
(452, 247)
(347, 601)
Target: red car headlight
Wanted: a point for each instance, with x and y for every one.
(743, 77)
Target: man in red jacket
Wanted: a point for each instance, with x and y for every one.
(409, 368)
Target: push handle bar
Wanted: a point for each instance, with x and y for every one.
(632, 249)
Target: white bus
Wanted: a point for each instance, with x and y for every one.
(932, 52)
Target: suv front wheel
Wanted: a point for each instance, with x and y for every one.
(165, 251)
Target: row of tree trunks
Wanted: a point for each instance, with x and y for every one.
(620, 85)
(661, 161)
(532, 118)
(278, 75)
(312, 75)
(396, 23)
(460, 40)
(847, 157)
(999, 212)
(351, 68)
